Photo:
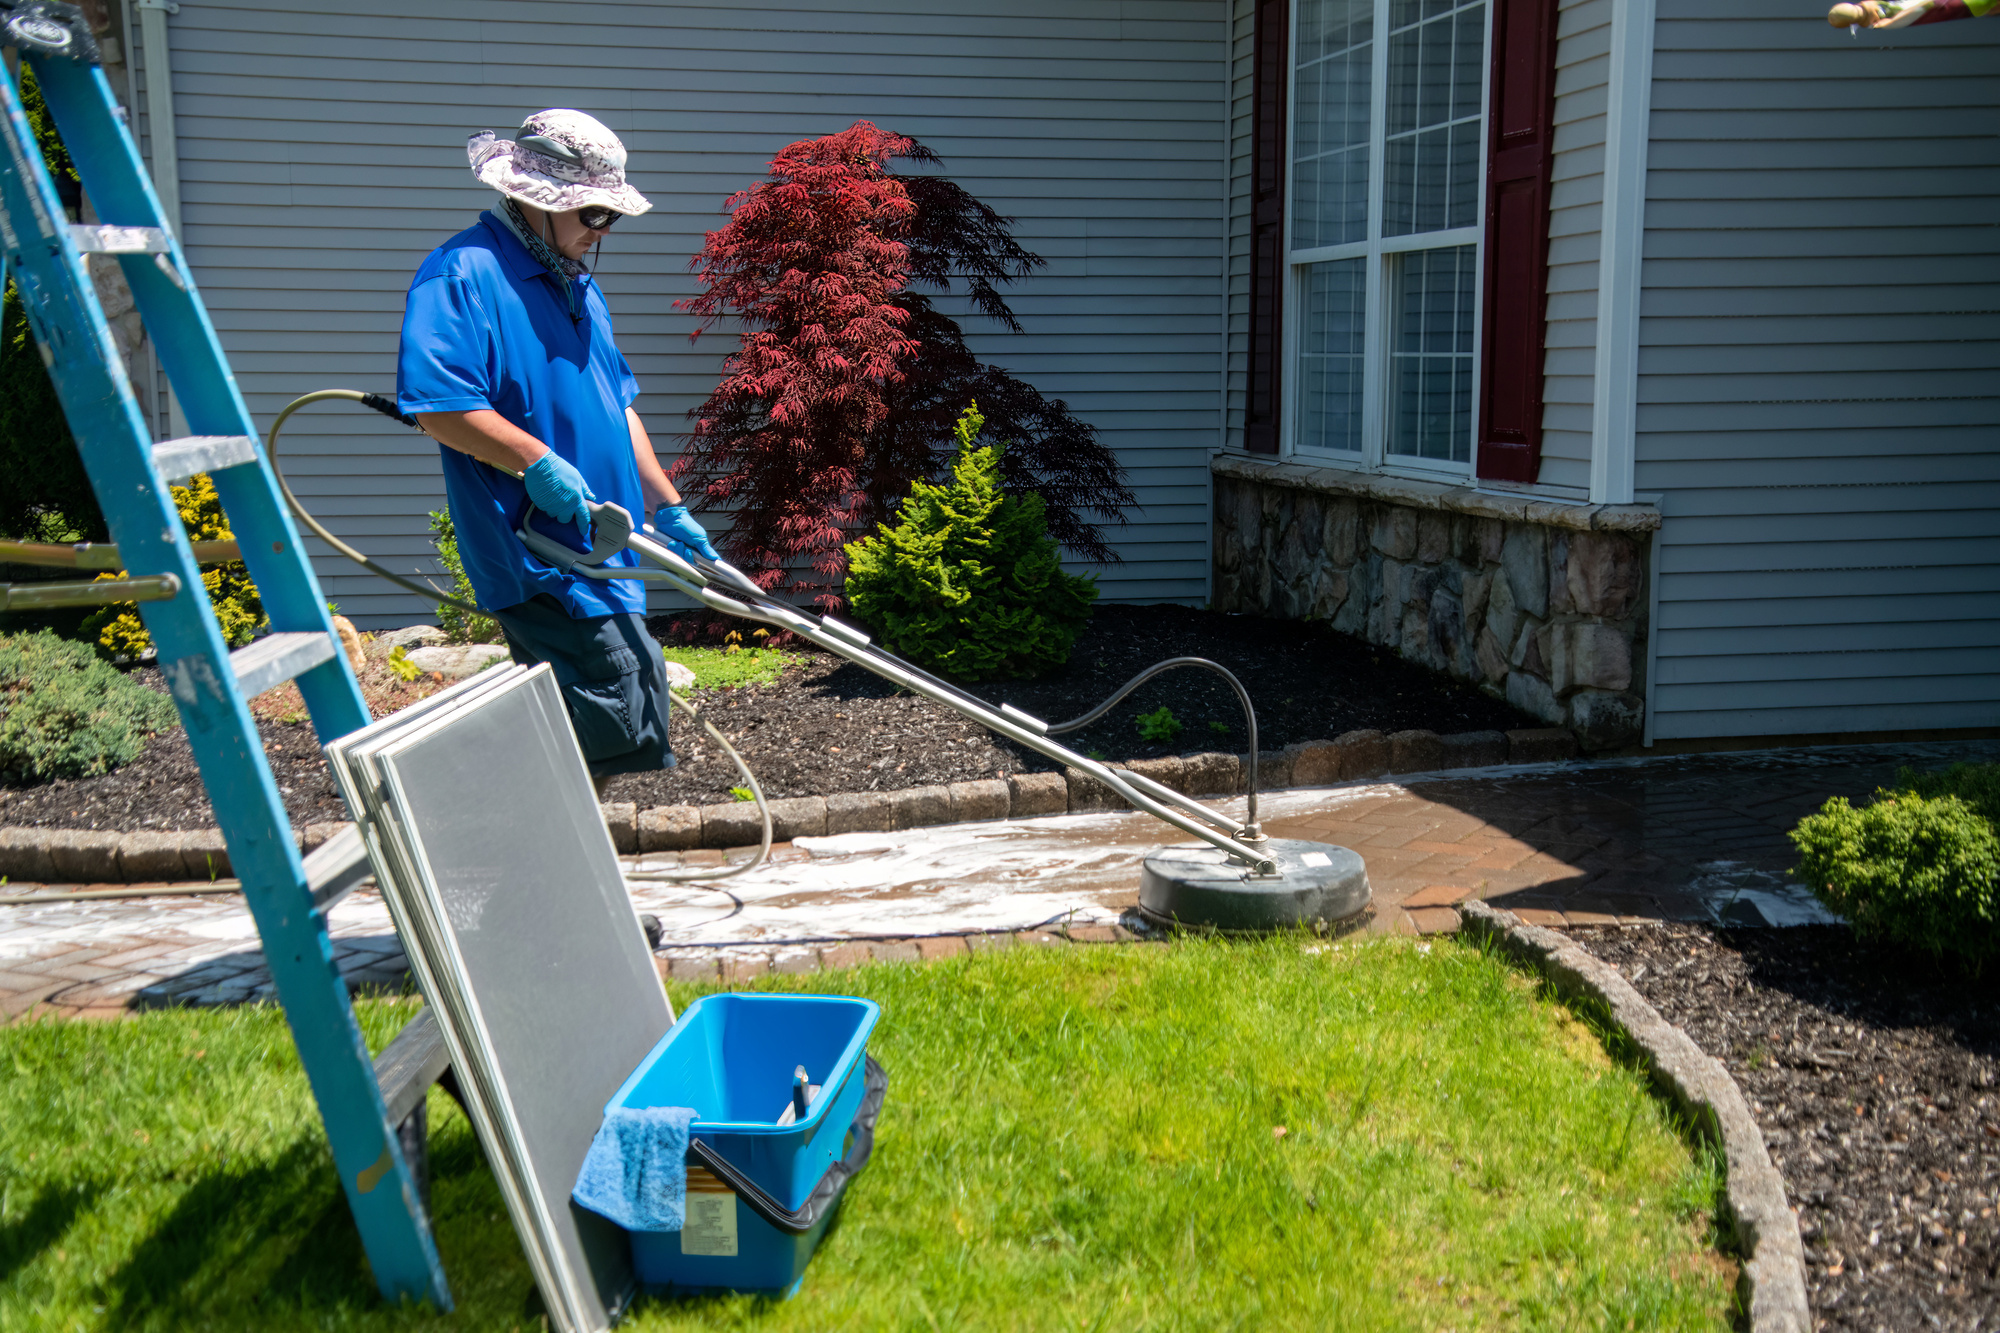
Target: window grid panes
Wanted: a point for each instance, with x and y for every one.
(1333, 328)
(1430, 364)
(1386, 337)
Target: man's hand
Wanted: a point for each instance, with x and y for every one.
(681, 531)
(560, 491)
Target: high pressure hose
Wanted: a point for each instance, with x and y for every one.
(387, 408)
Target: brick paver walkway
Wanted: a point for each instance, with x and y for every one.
(1595, 843)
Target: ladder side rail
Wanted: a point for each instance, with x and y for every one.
(115, 444)
(164, 290)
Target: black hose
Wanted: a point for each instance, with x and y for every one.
(1118, 696)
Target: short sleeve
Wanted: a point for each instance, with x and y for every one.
(445, 361)
(628, 383)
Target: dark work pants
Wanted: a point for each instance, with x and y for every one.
(612, 676)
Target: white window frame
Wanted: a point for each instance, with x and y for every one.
(1380, 252)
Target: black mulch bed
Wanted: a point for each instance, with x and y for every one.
(161, 789)
(828, 726)
(1876, 1078)
(831, 726)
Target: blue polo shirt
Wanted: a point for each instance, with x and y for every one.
(486, 326)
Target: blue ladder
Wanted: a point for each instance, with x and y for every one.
(44, 253)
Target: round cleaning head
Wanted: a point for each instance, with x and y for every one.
(1194, 884)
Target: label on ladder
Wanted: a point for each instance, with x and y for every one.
(710, 1227)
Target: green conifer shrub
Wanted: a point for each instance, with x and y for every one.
(967, 583)
(65, 713)
(1919, 867)
(458, 626)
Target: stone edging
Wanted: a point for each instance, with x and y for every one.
(1773, 1282)
(89, 856)
(1436, 495)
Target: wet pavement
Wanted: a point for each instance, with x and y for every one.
(1583, 843)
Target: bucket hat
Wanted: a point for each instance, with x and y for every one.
(561, 159)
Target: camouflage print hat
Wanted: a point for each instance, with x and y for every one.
(560, 160)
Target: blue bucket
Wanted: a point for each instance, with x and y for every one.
(760, 1194)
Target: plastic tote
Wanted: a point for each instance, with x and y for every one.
(760, 1193)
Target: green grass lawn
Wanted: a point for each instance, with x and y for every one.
(1074, 1138)
(719, 668)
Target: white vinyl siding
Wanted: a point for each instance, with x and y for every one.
(1576, 209)
(322, 156)
(1818, 400)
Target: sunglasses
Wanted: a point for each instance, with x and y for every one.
(597, 218)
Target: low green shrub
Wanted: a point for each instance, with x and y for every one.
(65, 713)
(1919, 867)
(968, 582)
(459, 626)
(1160, 725)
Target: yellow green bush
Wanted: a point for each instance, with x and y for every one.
(240, 612)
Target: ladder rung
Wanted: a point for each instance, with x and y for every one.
(336, 868)
(277, 658)
(410, 1064)
(180, 459)
(103, 239)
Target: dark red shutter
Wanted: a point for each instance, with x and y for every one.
(1520, 126)
(1263, 402)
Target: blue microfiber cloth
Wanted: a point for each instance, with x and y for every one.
(636, 1170)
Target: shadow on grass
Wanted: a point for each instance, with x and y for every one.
(45, 1222)
(274, 1233)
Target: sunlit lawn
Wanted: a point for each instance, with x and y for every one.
(1074, 1138)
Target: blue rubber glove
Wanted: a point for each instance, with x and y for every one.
(677, 525)
(559, 490)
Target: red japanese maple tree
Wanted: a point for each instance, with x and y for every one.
(846, 382)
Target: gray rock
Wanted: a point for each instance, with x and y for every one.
(1605, 573)
(1433, 536)
(1340, 529)
(350, 641)
(1533, 697)
(983, 798)
(1315, 763)
(1352, 613)
(1170, 771)
(1212, 774)
(1474, 749)
(1473, 593)
(150, 855)
(621, 821)
(1503, 617)
(1274, 769)
(1447, 634)
(456, 663)
(1492, 535)
(1607, 719)
(1363, 754)
(859, 812)
(1394, 532)
(797, 817)
(732, 824)
(921, 807)
(412, 636)
(1087, 793)
(1588, 655)
(204, 854)
(1414, 640)
(680, 675)
(1415, 751)
(85, 856)
(1525, 558)
(1329, 593)
(1540, 745)
(1559, 602)
(315, 836)
(1030, 795)
(24, 855)
(1491, 657)
(669, 828)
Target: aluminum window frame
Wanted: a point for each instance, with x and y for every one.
(1380, 254)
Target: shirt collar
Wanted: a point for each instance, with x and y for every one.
(524, 266)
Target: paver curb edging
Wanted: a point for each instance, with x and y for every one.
(1773, 1282)
(33, 855)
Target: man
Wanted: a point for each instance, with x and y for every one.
(508, 361)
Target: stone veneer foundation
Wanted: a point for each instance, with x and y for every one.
(1540, 603)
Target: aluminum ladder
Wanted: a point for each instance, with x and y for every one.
(45, 255)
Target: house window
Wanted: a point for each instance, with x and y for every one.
(1388, 157)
